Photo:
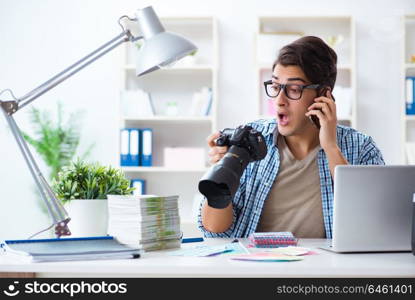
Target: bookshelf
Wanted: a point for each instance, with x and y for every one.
(178, 84)
(281, 30)
(408, 69)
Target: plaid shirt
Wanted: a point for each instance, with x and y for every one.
(259, 176)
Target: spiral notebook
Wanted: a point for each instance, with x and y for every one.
(68, 249)
(273, 239)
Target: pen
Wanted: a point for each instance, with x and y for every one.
(192, 240)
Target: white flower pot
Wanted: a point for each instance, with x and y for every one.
(88, 217)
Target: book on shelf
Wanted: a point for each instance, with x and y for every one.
(136, 104)
(201, 102)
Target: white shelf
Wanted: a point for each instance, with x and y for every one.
(178, 83)
(178, 68)
(162, 170)
(347, 67)
(169, 119)
(410, 117)
(410, 66)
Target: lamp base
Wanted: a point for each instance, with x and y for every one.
(62, 228)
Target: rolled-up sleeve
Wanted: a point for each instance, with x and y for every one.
(370, 154)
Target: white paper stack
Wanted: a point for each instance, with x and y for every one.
(149, 221)
(136, 104)
(201, 102)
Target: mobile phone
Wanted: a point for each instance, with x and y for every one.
(314, 118)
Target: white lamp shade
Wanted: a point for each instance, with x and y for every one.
(160, 50)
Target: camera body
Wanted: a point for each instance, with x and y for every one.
(221, 181)
(245, 137)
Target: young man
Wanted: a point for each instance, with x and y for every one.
(291, 189)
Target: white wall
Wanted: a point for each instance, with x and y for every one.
(40, 38)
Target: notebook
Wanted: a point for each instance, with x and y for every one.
(68, 249)
(272, 239)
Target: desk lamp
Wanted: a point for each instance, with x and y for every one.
(160, 49)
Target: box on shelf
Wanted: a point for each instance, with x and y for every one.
(184, 157)
(270, 43)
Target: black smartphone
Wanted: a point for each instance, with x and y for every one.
(315, 119)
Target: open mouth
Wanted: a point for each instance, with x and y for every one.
(283, 119)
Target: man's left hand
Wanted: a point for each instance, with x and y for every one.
(324, 109)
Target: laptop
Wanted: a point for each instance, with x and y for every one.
(372, 208)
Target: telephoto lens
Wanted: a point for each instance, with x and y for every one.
(221, 181)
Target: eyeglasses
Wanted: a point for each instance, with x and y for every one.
(292, 91)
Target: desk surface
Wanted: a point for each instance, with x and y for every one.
(160, 264)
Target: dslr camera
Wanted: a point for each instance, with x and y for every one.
(221, 181)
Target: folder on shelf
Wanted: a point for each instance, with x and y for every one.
(208, 95)
(135, 145)
(147, 147)
(139, 185)
(125, 147)
(410, 95)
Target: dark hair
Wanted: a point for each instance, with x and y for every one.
(316, 59)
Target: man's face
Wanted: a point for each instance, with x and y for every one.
(291, 113)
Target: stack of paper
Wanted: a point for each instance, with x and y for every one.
(263, 256)
(150, 221)
(272, 239)
(205, 250)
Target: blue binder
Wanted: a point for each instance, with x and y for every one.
(139, 185)
(135, 145)
(410, 95)
(147, 147)
(125, 147)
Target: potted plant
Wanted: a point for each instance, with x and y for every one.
(56, 141)
(83, 189)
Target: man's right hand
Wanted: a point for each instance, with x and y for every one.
(216, 153)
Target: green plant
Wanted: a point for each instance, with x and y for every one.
(82, 180)
(139, 44)
(55, 141)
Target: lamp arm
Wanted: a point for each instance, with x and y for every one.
(73, 69)
(55, 208)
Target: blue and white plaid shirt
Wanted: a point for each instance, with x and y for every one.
(259, 176)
